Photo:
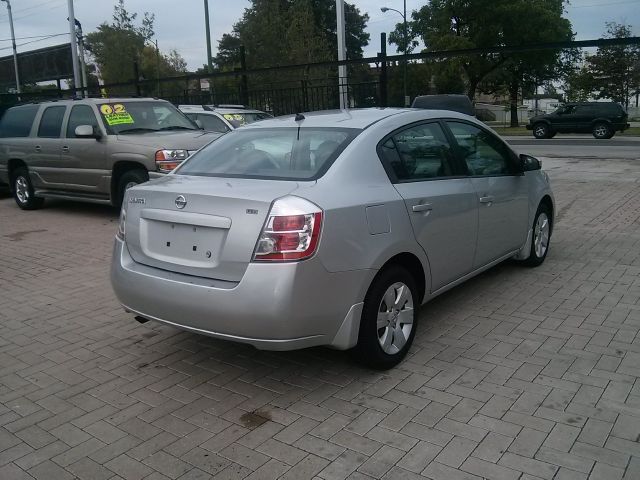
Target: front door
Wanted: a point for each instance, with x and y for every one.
(442, 204)
(83, 159)
(502, 192)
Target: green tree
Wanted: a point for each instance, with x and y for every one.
(613, 72)
(463, 24)
(116, 46)
(286, 32)
(544, 23)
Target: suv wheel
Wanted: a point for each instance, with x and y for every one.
(602, 131)
(23, 191)
(389, 319)
(127, 180)
(541, 130)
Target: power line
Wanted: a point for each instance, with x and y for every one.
(34, 36)
(34, 41)
(620, 2)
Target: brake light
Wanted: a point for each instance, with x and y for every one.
(291, 232)
(120, 233)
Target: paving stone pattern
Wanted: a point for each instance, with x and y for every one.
(518, 374)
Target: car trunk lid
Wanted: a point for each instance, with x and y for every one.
(202, 226)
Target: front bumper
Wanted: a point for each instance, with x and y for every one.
(283, 306)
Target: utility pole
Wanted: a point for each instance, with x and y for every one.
(83, 65)
(74, 47)
(13, 42)
(343, 89)
(208, 34)
(406, 51)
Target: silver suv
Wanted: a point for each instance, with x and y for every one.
(92, 149)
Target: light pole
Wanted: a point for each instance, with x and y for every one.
(208, 34)
(406, 47)
(13, 42)
(343, 82)
(83, 65)
(74, 47)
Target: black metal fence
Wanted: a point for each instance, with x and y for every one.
(373, 81)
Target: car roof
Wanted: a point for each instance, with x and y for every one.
(355, 118)
(97, 100)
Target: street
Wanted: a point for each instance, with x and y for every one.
(517, 374)
(578, 146)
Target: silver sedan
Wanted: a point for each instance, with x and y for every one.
(328, 228)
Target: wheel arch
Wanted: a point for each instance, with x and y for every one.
(12, 165)
(548, 202)
(120, 168)
(414, 266)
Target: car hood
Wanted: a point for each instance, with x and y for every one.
(175, 139)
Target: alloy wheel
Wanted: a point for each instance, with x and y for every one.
(22, 189)
(395, 318)
(541, 235)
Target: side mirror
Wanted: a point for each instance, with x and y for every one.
(529, 163)
(87, 131)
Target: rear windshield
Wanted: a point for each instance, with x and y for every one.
(274, 153)
(141, 117)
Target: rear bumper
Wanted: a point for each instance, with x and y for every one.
(528, 126)
(283, 306)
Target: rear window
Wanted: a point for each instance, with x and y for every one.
(17, 121)
(273, 153)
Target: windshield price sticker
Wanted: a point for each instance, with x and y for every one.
(234, 117)
(116, 114)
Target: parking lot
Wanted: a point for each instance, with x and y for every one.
(517, 374)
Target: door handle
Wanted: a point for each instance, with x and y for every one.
(38, 148)
(65, 149)
(422, 207)
(486, 199)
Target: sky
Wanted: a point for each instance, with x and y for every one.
(180, 23)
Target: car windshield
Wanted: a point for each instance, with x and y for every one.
(274, 153)
(140, 117)
(238, 119)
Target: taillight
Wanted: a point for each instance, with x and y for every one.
(291, 232)
(121, 224)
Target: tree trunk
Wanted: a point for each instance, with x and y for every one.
(471, 92)
(513, 96)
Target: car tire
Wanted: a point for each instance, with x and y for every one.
(128, 180)
(541, 130)
(541, 236)
(602, 131)
(23, 192)
(384, 346)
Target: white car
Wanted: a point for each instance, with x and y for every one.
(222, 118)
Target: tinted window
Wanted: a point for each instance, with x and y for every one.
(482, 152)
(286, 153)
(211, 123)
(17, 121)
(51, 122)
(80, 115)
(420, 152)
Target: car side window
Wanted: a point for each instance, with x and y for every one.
(483, 153)
(212, 123)
(420, 152)
(51, 122)
(80, 115)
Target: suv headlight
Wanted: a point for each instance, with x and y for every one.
(167, 160)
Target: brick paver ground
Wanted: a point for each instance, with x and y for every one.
(518, 374)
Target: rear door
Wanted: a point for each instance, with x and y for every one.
(502, 191)
(442, 203)
(83, 159)
(44, 159)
